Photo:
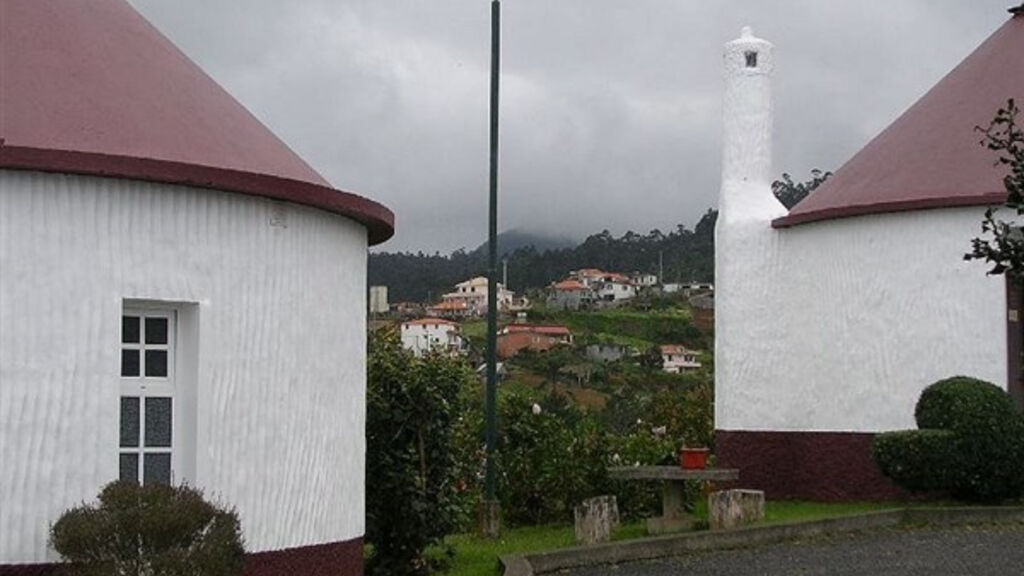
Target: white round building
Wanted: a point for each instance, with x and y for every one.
(182, 298)
(831, 319)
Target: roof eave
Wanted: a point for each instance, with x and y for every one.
(379, 221)
(797, 218)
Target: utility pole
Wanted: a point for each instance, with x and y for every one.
(490, 510)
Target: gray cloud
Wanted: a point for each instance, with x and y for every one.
(610, 109)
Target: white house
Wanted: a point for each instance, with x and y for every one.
(182, 298)
(831, 318)
(471, 296)
(676, 358)
(615, 288)
(426, 334)
(645, 280)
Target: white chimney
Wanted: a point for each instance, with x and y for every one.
(747, 131)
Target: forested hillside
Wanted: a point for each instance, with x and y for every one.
(685, 254)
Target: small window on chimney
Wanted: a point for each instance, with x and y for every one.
(751, 59)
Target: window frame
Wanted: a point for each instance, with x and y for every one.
(145, 387)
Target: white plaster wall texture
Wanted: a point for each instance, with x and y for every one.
(851, 319)
(281, 352)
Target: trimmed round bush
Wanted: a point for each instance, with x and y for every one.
(970, 442)
(152, 529)
(964, 404)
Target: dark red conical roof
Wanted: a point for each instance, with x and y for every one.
(930, 157)
(90, 87)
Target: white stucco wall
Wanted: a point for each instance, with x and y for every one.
(276, 297)
(839, 325)
(835, 325)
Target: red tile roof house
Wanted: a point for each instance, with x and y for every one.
(538, 337)
(182, 298)
(452, 309)
(605, 286)
(569, 295)
(831, 318)
(676, 358)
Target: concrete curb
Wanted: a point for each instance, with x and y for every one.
(663, 546)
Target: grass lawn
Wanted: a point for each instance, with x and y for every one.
(476, 555)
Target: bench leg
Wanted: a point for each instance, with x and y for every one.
(674, 516)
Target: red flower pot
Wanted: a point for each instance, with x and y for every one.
(693, 458)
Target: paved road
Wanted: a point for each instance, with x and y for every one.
(986, 551)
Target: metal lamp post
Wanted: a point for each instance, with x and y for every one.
(490, 510)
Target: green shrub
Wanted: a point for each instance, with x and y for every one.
(981, 455)
(153, 529)
(411, 498)
(550, 458)
(918, 460)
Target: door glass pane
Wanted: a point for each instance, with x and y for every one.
(156, 363)
(130, 329)
(129, 421)
(158, 422)
(129, 363)
(129, 467)
(156, 330)
(156, 468)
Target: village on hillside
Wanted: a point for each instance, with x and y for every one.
(439, 326)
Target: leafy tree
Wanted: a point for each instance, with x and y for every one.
(1004, 250)
(411, 469)
(791, 193)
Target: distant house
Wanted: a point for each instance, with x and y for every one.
(606, 352)
(693, 288)
(537, 337)
(605, 286)
(426, 334)
(645, 280)
(452, 309)
(676, 358)
(589, 277)
(406, 309)
(471, 297)
(569, 294)
(614, 288)
(671, 288)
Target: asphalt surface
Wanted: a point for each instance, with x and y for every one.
(968, 551)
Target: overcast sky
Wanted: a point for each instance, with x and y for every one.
(610, 112)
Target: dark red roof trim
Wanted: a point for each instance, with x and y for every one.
(985, 199)
(379, 221)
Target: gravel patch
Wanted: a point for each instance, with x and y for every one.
(968, 551)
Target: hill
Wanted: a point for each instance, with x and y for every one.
(682, 254)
